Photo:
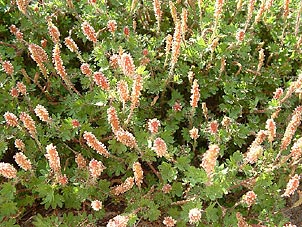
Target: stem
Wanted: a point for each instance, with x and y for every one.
(155, 171)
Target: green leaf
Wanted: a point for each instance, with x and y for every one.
(182, 163)
(153, 213)
(49, 196)
(167, 135)
(230, 220)
(213, 213)
(116, 147)
(7, 192)
(195, 176)
(214, 191)
(27, 200)
(141, 70)
(133, 218)
(10, 223)
(167, 172)
(40, 221)
(177, 189)
(71, 197)
(7, 209)
(235, 159)
(3, 147)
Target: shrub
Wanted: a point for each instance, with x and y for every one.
(115, 113)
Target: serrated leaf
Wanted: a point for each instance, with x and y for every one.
(195, 176)
(182, 163)
(177, 189)
(167, 172)
(7, 209)
(153, 213)
(3, 147)
(7, 192)
(10, 223)
(212, 213)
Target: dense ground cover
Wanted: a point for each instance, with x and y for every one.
(168, 113)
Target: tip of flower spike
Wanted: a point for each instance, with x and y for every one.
(96, 205)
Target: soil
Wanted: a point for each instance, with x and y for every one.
(294, 213)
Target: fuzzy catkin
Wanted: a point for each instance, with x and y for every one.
(96, 168)
(296, 150)
(29, 124)
(286, 8)
(113, 119)
(8, 67)
(292, 185)
(136, 91)
(209, 159)
(160, 147)
(173, 11)
(153, 125)
(249, 198)
(278, 93)
(271, 129)
(57, 60)
(122, 89)
(42, 113)
(21, 88)
(111, 26)
(241, 221)
(260, 137)
(218, 8)
(169, 40)
(7, 170)
(14, 92)
(184, 20)
(22, 5)
(157, 11)
(19, 144)
(194, 215)
(124, 187)
(213, 127)
(194, 133)
(101, 81)
(96, 205)
(195, 94)
(118, 221)
(260, 11)
(81, 162)
(54, 32)
(89, 32)
(85, 69)
(251, 6)
(53, 158)
(261, 60)
(22, 161)
(169, 222)
(11, 119)
(71, 45)
(166, 188)
(126, 63)
(138, 173)
(38, 54)
(126, 138)
(114, 61)
(240, 35)
(254, 153)
(95, 144)
(291, 128)
(176, 44)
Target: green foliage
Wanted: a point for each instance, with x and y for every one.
(148, 172)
